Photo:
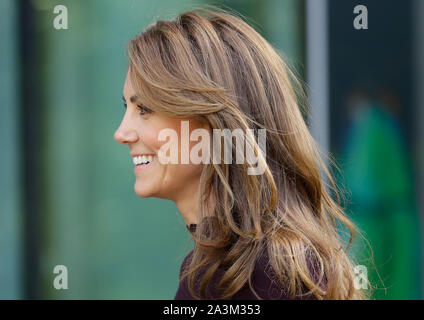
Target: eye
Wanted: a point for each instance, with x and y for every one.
(144, 110)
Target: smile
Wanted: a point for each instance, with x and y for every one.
(140, 160)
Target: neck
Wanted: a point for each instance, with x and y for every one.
(187, 205)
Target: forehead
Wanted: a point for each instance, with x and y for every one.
(128, 89)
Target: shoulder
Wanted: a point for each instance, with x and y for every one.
(267, 285)
(264, 281)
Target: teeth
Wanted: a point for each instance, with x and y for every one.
(142, 159)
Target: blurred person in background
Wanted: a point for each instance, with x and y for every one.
(378, 172)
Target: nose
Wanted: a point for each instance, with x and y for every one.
(125, 135)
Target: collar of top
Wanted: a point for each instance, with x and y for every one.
(191, 228)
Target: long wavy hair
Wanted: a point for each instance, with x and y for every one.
(211, 65)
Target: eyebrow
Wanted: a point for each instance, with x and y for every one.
(133, 98)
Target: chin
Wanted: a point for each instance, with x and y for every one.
(143, 191)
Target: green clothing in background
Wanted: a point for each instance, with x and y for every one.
(377, 171)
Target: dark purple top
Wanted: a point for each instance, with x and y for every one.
(264, 282)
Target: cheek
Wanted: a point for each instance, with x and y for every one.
(149, 137)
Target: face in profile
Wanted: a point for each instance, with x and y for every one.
(139, 129)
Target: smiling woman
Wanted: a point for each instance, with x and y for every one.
(265, 236)
(140, 129)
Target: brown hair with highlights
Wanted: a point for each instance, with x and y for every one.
(211, 65)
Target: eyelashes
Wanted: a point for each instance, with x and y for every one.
(143, 109)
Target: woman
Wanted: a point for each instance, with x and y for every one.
(267, 235)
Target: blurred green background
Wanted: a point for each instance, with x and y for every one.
(66, 187)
